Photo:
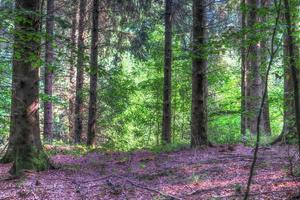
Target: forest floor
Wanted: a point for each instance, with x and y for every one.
(214, 173)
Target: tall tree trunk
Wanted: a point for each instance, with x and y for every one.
(72, 84)
(25, 142)
(166, 129)
(199, 77)
(289, 126)
(93, 75)
(293, 64)
(49, 58)
(265, 120)
(80, 73)
(243, 71)
(254, 81)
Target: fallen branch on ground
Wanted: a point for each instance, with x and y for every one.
(149, 189)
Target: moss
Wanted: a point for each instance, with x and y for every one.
(29, 159)
(7, 158)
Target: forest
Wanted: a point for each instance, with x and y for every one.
(149, 99)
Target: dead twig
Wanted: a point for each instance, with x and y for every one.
(149, 189)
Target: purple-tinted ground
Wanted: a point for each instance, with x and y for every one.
(213, 173)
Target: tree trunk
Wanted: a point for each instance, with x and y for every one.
(293, 65)
(25, 142)
(265, 120)
(93, 75)
(199, 79)
(166, 129)
(289, 127)
(80, 73)
(254, 81)
(49, 58)
(243, 71)
(72, 72)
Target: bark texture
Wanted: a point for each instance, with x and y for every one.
(254, 85)
(93, 75)
(199, 78)
(265, 120)
(72, 70)
(293, 64)
(289, 127)
(80, 73)
(25, 143)
(167, 117)
(243, 71)
(49, 61)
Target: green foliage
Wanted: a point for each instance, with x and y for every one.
(131, 79)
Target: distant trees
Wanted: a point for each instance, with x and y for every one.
(167, 117)
(131, 49)
(25, 145)
(49, 62)
(199, 77)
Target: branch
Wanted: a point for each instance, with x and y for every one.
(263, 102)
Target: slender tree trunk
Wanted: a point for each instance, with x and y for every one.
(167, 117)
(293, 64)
(72, 69)
(243, 72)
(25, 142)
(199, 79)
(254, 81)
(80, 73)
(49, 60)
(93, 75)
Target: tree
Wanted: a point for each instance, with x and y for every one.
(72, 73)
(25, 142)
(243, 70)
(199, 79)
(289, 126)
(167, 117)
(263, 51)
(80, 73)
(93, 75)
(49, 58)
(293, 64)
(254, 89)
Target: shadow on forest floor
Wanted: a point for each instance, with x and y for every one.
(214, 173)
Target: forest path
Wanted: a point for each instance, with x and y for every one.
(213, 173)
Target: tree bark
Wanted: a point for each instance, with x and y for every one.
(289, 126)
(49, 61)
(72, 72)
(265, 120)
(243, 72)
(25, 143)
(80, 73)
(254, 81)
(93, 75)
(293, 65)
(166, 129)
(199, 77)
